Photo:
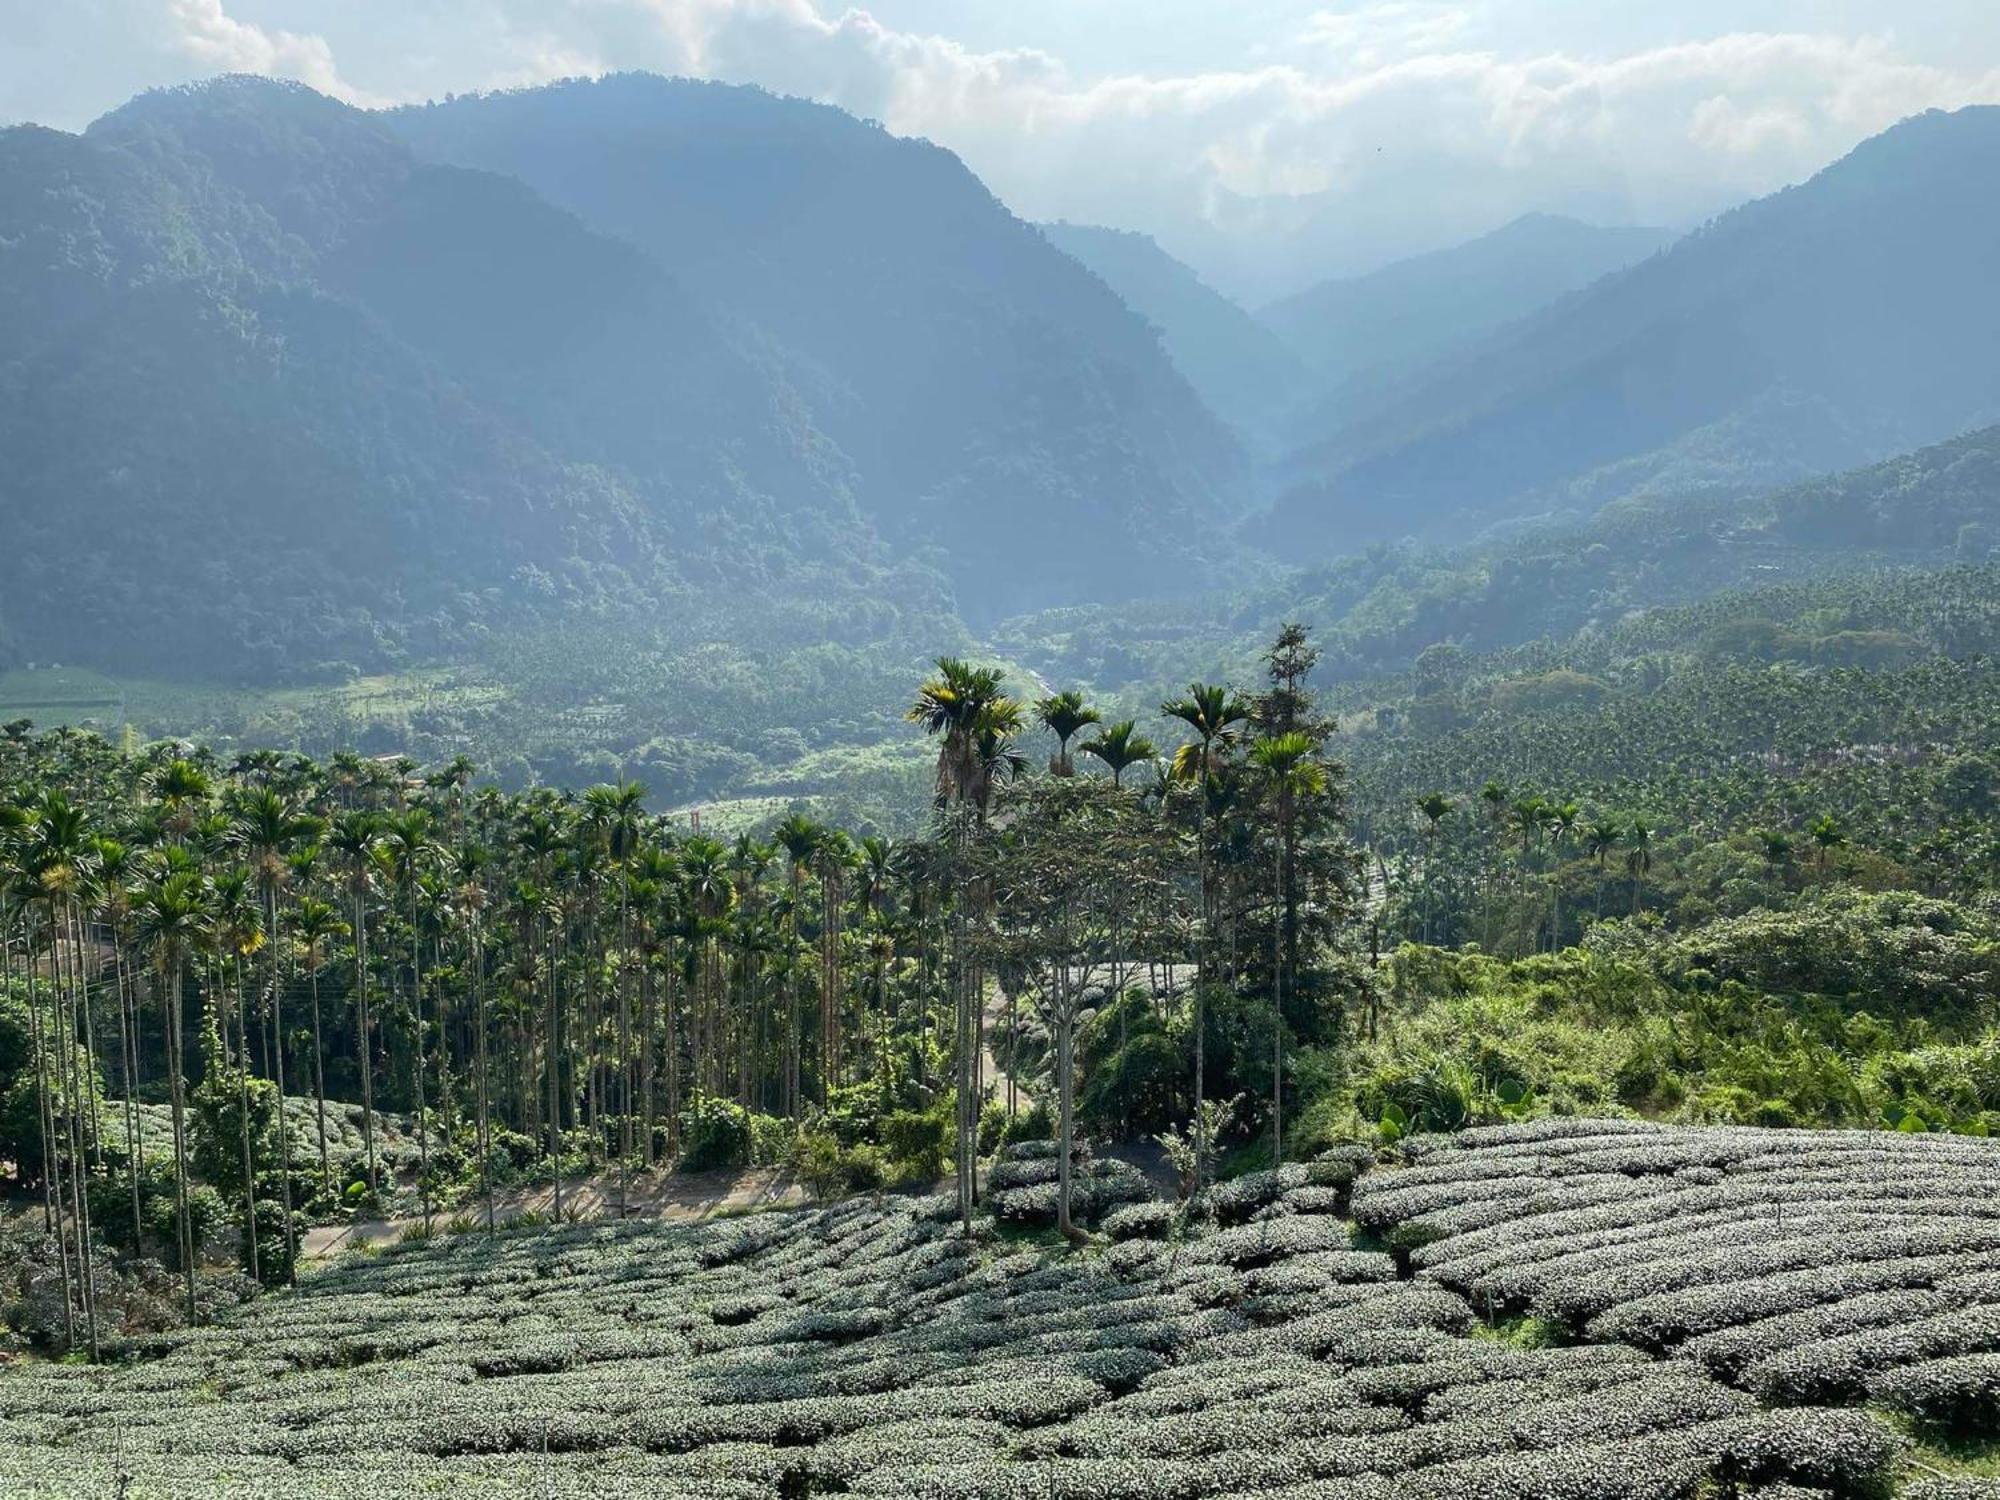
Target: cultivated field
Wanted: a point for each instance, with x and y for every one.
(1556, 1312)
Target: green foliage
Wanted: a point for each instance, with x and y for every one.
(830, 1170)
(20, 1102)
(1903, 1039)
(216, 1122)
(1033, 1121)
(916, 1142)
(718, 1134)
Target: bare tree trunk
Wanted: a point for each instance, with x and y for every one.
(1013, 1050)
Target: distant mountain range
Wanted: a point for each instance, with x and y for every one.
(1834, 323)
(996, 402)
(290, 390)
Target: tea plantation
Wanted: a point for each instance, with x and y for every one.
(1563, 1311)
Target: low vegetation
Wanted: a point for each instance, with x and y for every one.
(1731, 1310)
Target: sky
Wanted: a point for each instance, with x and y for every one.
(1268, 142)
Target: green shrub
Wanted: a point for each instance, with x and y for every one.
(1035, 1123)
(828, 1169)
(717, 1135)
(917, 1142)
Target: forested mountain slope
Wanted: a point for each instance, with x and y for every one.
(1378, 612)
(1823, 326)
(997, 401)
(282, 399)
(1358, 333)
(1242, 369)
(276, 395)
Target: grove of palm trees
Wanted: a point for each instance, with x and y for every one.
(245, 1001)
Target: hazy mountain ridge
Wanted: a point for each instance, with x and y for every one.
(1554, 581)
(225, 461)
(1361, 334)
(1243, 371)
(998, 401)
(1862, 293)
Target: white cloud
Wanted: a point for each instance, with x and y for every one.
(64, 61)
(214, 39)
(1400, 140)
(1371, 35)
(1368, 129)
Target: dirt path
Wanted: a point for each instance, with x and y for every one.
(991, 1072)
(675, 1197)
(685, 1197)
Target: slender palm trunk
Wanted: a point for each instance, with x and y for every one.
(319, 1081)
(176, 1046)
(555, 1078)
(624, 1051)
(967, 1124)
(275, 937)
(365, 1055)
(1065, 1017)
(1201, 955)
(479, 1023)
(793, 1103)
(92, 1081)
(53, 1224)
(417, 1010)
(1278, 1042)
(128, 1041)
(672, 1048)
(82, 1095)
(648, 1043)
(243, 1115)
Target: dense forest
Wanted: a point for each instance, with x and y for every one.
(1168, 1019)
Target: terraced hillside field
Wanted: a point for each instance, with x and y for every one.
(1716, 1313)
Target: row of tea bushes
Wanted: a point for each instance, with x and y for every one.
(1251, 1349)
(1805, 1267)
